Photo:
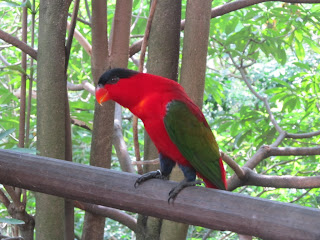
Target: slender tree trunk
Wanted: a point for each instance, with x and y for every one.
(169, 55)
(195, 48)
(51, 89)
(119, 48)
(103, 125)
(194, 56)
(163, 59)
(103, 118)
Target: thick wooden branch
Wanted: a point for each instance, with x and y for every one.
(195, 205)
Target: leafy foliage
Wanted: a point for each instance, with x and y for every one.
(276, 43)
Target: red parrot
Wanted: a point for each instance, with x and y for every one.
(174, 123)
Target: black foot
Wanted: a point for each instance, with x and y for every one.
(183, 184)
(149, 175)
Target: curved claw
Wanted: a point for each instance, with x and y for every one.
(147, 176)
(177, 189)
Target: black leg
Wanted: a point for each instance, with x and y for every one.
(190, 180)
(166, 165)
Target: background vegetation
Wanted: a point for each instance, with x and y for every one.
(262, 62)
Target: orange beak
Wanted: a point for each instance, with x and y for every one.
(102, 95)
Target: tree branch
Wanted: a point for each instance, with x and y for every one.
(4, 199)
(302, 135)
(84, 85)
(146, 162)
(81, 39)
(218, 209)
(235, 167)
(256, 179)
(301, 196)
(71, 29)
(119, 143)
(289, 151)
(144, 44)
(19, 44)
(108, 212)
(13, 195)
(257, 95)
(267, 151)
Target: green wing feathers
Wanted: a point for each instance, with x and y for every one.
(194, 140)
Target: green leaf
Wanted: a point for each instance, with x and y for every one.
(302, 65)
(234, 128)
(9, 4)
(239, 139)
(315, 8)
(299, 35)
(282, 55)
(231, 25)
(223, 127)
(32, 151)
(313, 44)
(6, 133)
(27, 4)
(299, 50)
(17, 68)
(277, 80)
(11, 221)
(289, 103)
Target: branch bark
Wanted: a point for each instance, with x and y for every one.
(256, 179)
(51, 109)
(195, 205)
(101, 146)
(265, 152)
(108, 212)
(19, 44)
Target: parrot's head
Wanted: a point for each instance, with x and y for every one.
(132, 89)
(114, 85)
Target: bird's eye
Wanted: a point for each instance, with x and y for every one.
(114, 80)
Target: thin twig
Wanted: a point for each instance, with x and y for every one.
(301, 196)
(137, 17)
(23, 88)
(146, 162)
(31, 78)
(71, 32)
(146, 35)
(81, 39)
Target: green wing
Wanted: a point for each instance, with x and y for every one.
(194, 140)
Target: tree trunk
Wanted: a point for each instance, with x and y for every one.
(119, 47)
(195, 48)
(51, 111)
(163, 59)
(194, 55)
(103, 126)
(101, 147)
